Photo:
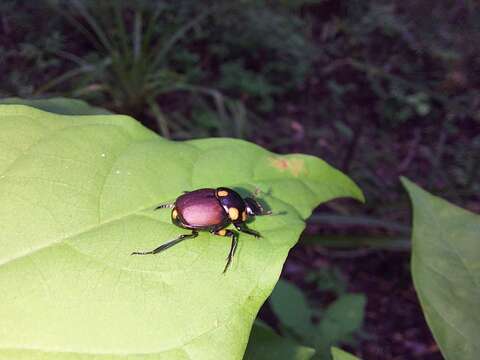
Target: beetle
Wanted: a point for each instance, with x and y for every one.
(212, 210)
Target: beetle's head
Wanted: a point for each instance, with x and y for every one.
(255, 208)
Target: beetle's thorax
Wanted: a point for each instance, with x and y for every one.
(232, 203)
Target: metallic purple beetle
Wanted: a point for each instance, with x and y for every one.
(211, 210)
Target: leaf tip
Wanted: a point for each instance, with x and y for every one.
(358, 194)
(411, 187)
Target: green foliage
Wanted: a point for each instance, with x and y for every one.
(397, 70)
(265, 344)
(30, 36)
(339, 354)
(445, 271)
(77, 197)
(264, 51)
(134, 57)
(328, 279)
(235, 77)
(292, 308)
(338, 323)
(132, 61)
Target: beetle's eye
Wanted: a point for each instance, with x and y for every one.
(253, 207)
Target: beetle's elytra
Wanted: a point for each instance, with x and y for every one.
(211, 210)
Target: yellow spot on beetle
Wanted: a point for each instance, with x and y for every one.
(233, 213)
(244, 216)
(222, 232)
(222, 193)
(174, 213)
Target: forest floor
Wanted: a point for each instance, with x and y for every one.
(394, 326)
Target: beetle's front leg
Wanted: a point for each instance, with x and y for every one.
(243, 228)
(233, 247)
(165, 206)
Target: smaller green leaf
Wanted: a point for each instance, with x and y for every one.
(339, 354)
(341, 319)
(446, 271)
(291, 308)
(265, 344)
(329, 279)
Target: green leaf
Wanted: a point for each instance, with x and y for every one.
(339, 354)
(446, 271)
(328, 279)
(77, 196)
(291, 308)
(265, 344)
(59, 105)
(340, 320)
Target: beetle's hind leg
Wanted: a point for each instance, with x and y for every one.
(243, 228)
(233, 246)
(169, 244)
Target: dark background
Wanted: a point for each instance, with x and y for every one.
(379, 89)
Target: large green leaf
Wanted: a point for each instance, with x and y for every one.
(446, 272)
(265, 344)
(77, 196)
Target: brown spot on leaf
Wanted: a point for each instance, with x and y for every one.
(294, 165)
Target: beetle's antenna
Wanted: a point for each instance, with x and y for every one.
(165, 206)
